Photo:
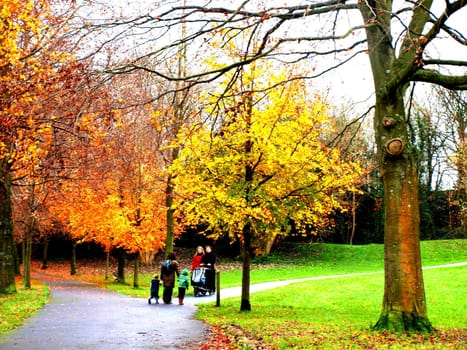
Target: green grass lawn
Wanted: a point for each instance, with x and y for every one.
(15, 308)
(330, 313)
(337, 313)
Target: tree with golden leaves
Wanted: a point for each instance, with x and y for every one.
(262, 165)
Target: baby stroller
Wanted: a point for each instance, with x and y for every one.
(202, 281)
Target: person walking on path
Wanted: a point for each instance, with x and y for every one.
(209, 261)
(183, 284)
(196, 262)
(155, 283)
(169, 268)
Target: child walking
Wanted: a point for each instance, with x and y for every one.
(183, 284)
(155, 283)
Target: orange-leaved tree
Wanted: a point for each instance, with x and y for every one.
(116, 198)
(261, 165)
(28, 69)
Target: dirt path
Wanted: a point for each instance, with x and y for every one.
(84, 316)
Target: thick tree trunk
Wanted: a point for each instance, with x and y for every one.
(404, 305)
(7, 255)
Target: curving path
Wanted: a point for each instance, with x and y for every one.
(83, 316)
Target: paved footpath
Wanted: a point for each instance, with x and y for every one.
(84, 316)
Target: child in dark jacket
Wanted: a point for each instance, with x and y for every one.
(155, 283)
(183, 284)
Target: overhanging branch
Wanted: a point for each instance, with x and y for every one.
(458, 82)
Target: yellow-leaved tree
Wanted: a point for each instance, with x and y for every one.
(261, 164)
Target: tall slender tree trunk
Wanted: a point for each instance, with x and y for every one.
(73, 258)
(121, 265)
(169, 243)
(27, 256)
(247, 229)
(179, 107)
(246, 252)
(354, 218)
(107, 265)
(136, 273)
(18, 258)
(45, 253)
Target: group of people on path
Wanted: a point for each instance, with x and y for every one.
(170, 270)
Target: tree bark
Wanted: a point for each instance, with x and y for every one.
(169, 242)
(107, 265)
(136, 273)
(73, 259)
(121, 266)
(354, 218)
(404, 304)
(45, 254)
(246, 247)
(7, 256)
(27, 256)
(247, 229)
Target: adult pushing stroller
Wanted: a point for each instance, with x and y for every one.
(202, 280)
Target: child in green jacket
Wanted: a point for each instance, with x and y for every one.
(183, 284)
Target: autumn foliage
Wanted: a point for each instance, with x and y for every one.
(279, 134)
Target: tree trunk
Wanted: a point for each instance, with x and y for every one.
(247, 229)
(136, 273)
(169, 242)
(246, 251)
(7, 256)
(73, 259)
(27, 257)
(354, 218)
(404, 305)
(18, 258)
(45, 254)
(107, 265)
(121, 266)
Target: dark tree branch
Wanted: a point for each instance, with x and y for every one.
(449, 82)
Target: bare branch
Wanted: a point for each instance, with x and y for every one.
(449, 82)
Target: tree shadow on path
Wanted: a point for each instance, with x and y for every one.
(82, 315)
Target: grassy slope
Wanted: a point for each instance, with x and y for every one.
(337, 313)
(307, 260)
